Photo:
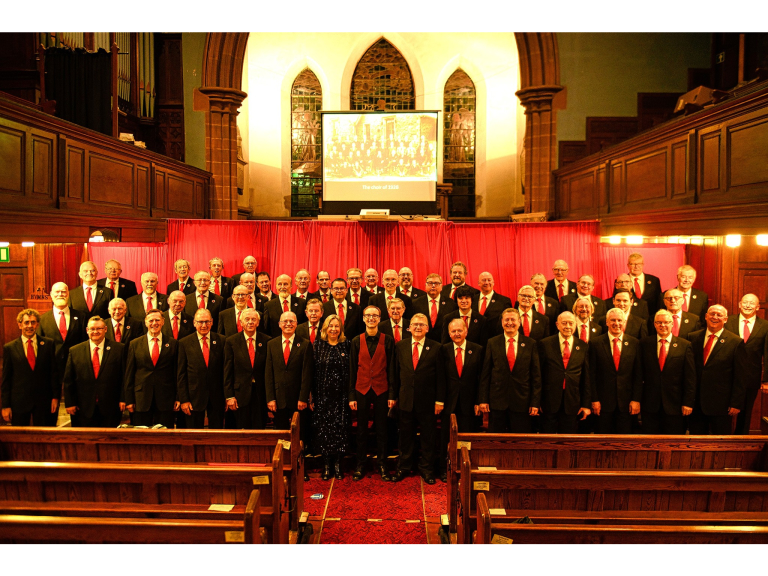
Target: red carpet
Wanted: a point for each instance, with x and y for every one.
(363, 532)
(372, 498)
(435, 500)
(314, 486)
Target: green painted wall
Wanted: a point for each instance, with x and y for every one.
(192, 46)
(604, 72)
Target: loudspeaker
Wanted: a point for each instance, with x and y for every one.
(698, 98)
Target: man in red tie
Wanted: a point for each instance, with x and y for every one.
(510, 385)
(646, 287)
(93, 379)
(231, 320)
(149, 299)
(302, 284)
(120, 286)
(150, 375)
(543, 304)
(396, 325)
(349, 313)
(245, 360)
(183, 281)
(249, 267)
(310, 330)
(559, 286)
(693, 300)
(435, 306)
(683, 323)
(285, 302)
(203, 298)
(89, 298)
(532, 324)
(391, 290)
(586, 328)
(669, 379)
(635, 326)
(357, 294)
(565, 387)
(405, 277)
(220, 284)
(584, 288)
(323, 292)
(475, 323)
(254, 299)
(458, 278)
(370, 359)
(177, 323)
(490, 303)
(120, 328)
(616, 376)
(200, 382)
(371, 281)
(265, 286)
(720, 360)
(30, 388)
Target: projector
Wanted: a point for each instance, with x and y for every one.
(374, 214)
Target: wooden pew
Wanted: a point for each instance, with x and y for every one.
(171, 491)
(68, 529)
(614, 496)
(631, 452)
(163, 446)
(508, 533)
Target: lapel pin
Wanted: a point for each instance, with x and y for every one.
(674, 345)
(535, 321)
(342, 354)
(469, 351)
(686, 320)
(475, 320)
(647, 281)
(722, 341)
(522, 344)
(626, 343)
(41, 342)
(214, 341)
(694, 296)
(101, 291)
(75, 317)
(184, 321)
(108, 348)
(122, 285)
(259, 344)
(427, 348)
(493, 301)
(593, 330)
(167, 345)
(298, 344)
(577, 347)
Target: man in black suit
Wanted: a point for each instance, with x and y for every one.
(323, 292)
(584, 289)
(435, 306)
(66, 327)
(565, 387)
(31, 388)
(357, 294)
(559, 286)
(264, 283)
(200, 374)
(720, 367)
(302, 284)
(230, 320)
(249, 267)
(120, 328)
(418, 389)
(543, 304)
(93, 379)
(203, 298)
(371, 281)
(533, 324)
(391, 290)
(754, 332)
(639, 307)
(683, 323)
(183, 282)
(254, 299)
(121, 287)
(285, 302)
(396, 325)
(245, 361)
(177, 324)
(616, 376)
(586, 327)
(476, 324)
(149, 299)
(491, 304)
(150, 375)
(90, 298)
(370, 359)
(405, 278)
(310, 330)
(220, 284)
(669, 379)
(350, 314)
(695, 301)
(510, 386)
(635, 326)
(288, 375)
(458, 278)
(646, 287)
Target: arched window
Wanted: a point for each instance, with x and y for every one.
(382, 74)
(306, 141)
(459, 143)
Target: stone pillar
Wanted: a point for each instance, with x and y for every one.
(540, 147)
(221, 149)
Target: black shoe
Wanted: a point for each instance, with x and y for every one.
(306, 477)
(428, 478)
(358, 473)
(399, 475)
(444, 477)
(327, 472)
(337, 470)
(384, 474)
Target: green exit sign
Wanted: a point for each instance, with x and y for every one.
(5, 254)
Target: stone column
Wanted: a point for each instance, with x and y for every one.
(221, 149)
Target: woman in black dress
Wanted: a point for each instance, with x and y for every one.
(330, 389)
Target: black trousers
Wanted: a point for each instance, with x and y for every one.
(100, 418)
(744, 417)
(380, 410)
(659, 422)
(154, 416)
(614, 422)
(503, 421)
(409, 422)
(253, 416)
(283, 422)
(716, 425)
(215, 416)
(559, 422)
(465, 422)
(39, 415)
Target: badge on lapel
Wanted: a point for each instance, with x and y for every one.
(594, 330)
(108, 348)
(167, 345)
(577, 347)
(493, 301)
(535, 321)
(549, 305)
(76, 318)
(522, 344)
(185, 321)
(634, 303)
(427, 348)
(475, 320)
(343, 354)
(122, 285)
(722, 341)
(101, 291)
(259, 344)
(685, 321)
(694, 296)
(469, 351)
(674, 345)
(648, 282)
(214, 342)
(41, 343)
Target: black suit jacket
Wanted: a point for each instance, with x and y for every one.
(639, 308)
(445, 307)
(23, 388)
(652, 293)
(241, 380)
(675, 386)
(414, 293)
(698, 304)
(101, 298)
(636, 327)
(419, 389)
(137, 305)
(720, 384)
(385, 326)
(259, 305)
(132, 328)
(476, 331)
(125, 288)
(551, 289)
(302, 330)
(189, 286)
(539, 326)
(225, 288)
(365, 297)
(274, 309)
(493, 311)
(289, 384)
(228, 322)
(353, 320)
(566, 304)
(75, 334)
(186, 326)
(196, 382)
(81, 387)
(577, 393)
(445, 293)
(688, 323)
(380, 300)
(594, 331)
(462, 390)
(214, 305)
(755, 350)
(614, 389)
(144, 381)
(518, 389)
(551, 311)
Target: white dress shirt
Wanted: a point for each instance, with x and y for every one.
(100, 347)
(750, 323)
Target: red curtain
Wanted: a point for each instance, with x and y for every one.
(135, 258)
(661, 260)
(62, 264)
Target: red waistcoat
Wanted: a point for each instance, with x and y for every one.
(372, 372)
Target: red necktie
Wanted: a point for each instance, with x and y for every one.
(675, 325)
(685, 302)
(583, 333)
(63, 326)
(149, 303)
(357, 298)
(88, 298)
(746, 331)
(341, 313)
(453, 289)
(249, 302)
(287, 351)
(466, 321)
(560, 291)
(482, 308)
(541, 306)
(708, 347)
(303, 296)
(638, 293)
(201, 306)
(312, 334)
(662, 354)
(566, 358)
(526, 325)
(459, 363)
(325, 297)
(433, 313)
(118, 334)
(155, 352)
(216, 287)
(511, 353)
(415, 355)
(31, 354)
(239, 325)
(390, 297)
(206, 350)
(404, 292)
(112, 287)
(397, 333)
(285, 305)
(251, 351)
(616, 353)
(95, 362)
(176, 327)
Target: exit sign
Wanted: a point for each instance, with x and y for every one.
(5, 254)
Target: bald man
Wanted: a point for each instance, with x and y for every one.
(148, 299)
(405, 278)
(584, 289)
(559, 286)
(285, 302)
(490, 303)
(88, 297)
(694, 301)
(120, 286)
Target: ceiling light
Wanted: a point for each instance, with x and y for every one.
(733, 240)
(762, 239)
(614, 239)
(27, 244)
(634, 239)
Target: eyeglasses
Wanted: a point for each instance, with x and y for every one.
(559, 269)
(414, 325)
(239, 295)
(371, 316)
(203, 322)
(434, 283)
(526, 296)
(337, 289)
(288, 321)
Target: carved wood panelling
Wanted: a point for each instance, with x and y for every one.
(75, 173)
(110, 182)
(42, 165)
(710, 162)
(679, 164)
(142, 186)
(647, 177)
(181, 195)
(748, 152)
(11, 160)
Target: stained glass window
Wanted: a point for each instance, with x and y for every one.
(459, 143)
(306, 141)
(382, 74)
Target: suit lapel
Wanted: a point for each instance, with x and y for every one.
(717, 345)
